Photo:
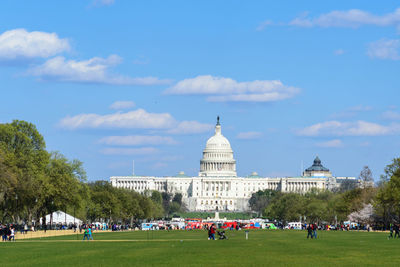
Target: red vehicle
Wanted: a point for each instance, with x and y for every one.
(193, 223)
(232, 225)
(252, 225)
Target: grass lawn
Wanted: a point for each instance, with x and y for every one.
(191, 248)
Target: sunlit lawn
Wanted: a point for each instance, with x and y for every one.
(184, 248)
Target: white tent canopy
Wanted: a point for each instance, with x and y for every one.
(62, 217)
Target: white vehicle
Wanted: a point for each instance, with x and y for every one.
(294, 225)
(148, 226)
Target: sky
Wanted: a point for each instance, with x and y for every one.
(110, 82)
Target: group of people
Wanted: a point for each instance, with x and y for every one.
(396, 229)
(7, 232)
(88, 234)
(312, 230)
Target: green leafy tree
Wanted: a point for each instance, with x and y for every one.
(389, 171)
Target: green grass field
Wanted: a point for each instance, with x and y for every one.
(191, 248)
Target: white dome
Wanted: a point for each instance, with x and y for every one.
(217, 156)
(218, 141)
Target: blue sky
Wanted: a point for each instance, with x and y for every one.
(108, 82)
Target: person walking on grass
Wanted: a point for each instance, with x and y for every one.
(3, 232)
(315, 228)
(90, 233)
(396, 230)
(12, 233)
(85, 234)
(309, 231)
(212, 232)
(391, 231)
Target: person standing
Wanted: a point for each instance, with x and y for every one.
(212, 232)
(391, 231)
(309, 231)
(85, 234)
(90, 233)
(3, 233)
(12, 234)
(315, 227)
(396, 230)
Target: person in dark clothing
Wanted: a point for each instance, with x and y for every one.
(3, 233)
(391, 231)
(396, 231)
(309, 231)
(315, 228)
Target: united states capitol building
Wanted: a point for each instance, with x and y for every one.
(218, 188)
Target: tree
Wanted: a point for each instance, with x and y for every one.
(347, 185)
(390, 170)
(166, 199)
(260, 200)
(24, 155)
(365, 215)
(178, 199)
(285, 207)
(388, 199)
(366, 177)
(156, 197)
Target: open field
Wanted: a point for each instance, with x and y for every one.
(183, 248)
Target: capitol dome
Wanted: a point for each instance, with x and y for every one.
(217, 156)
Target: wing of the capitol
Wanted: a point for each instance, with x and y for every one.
(218, 188)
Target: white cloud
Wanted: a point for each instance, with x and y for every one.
(263, 25)
(140, 119)
(94, 70)
(135, 140)
(249, 135)
(358, 128)
(391, 115)
(122, 105)
(223, 89)
(137, 119)
(330, 143)
(130, 151)
(384, 49)
(190, 127)
(353, 18)
(21, 44)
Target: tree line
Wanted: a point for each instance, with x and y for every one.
(362, 203)
(35, 182)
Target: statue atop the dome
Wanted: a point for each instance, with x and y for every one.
(218, 120)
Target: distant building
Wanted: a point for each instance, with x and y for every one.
(317, 170)
(217, 186)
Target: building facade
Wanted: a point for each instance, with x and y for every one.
(218, 188)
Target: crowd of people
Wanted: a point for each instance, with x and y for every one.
(7, 232)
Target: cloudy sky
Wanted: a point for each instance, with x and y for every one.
(111, 81)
